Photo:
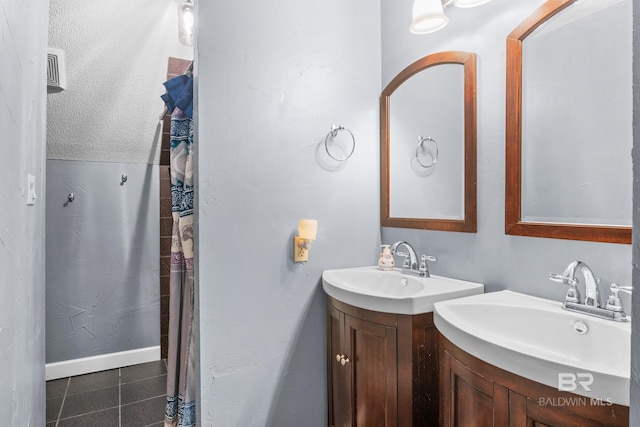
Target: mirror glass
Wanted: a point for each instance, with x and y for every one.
(575, 122)
(428, 145)
(414, 169)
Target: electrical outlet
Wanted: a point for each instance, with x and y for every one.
(300, 252)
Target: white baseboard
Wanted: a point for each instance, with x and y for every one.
(86, 365)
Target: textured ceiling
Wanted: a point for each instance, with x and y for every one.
(116, 61)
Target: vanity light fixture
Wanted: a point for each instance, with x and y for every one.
(185, 23)
(428, 15)
(307, 231)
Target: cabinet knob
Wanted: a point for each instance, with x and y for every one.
(343, 360)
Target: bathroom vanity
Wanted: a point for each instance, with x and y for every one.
(382, 367)
(473, 392)
(382, 354)
(511, 359)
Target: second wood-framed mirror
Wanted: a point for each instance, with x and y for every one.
(569, 122)
(428, 145)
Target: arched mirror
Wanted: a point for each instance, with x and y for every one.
(428, 145)
(569, 122)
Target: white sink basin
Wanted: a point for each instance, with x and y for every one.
(391, 291)
(536, 339)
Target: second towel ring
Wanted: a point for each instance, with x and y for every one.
(421, 142)
(333, 133)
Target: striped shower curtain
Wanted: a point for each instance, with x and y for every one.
(181, 405)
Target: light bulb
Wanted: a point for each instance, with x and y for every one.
(185, 23)
(428, 16)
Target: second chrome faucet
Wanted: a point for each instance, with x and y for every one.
(591, 304)
(410, 264)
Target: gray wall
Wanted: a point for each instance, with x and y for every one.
(273, 78)
(635, 332)
(489, 256)
(23, 37)
(102, 259)
(103, 250)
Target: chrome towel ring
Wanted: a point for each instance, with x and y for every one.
(332, 134)
(421, 146)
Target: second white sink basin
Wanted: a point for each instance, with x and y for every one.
(392, 291)
(536, 339)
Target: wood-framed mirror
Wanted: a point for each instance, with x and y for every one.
(428, 145)
(569, 122)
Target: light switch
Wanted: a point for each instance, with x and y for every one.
(31, 190)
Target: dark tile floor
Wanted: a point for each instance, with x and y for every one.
(133, 396)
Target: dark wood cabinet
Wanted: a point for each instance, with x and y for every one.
(471, 399)
(476, 394)
(382, 368)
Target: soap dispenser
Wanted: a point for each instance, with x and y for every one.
(386, 262)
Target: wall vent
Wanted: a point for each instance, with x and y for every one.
(56, 78)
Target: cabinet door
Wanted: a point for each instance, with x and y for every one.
(338, 385)
(469, 399)
(372, 352)
(472, 394)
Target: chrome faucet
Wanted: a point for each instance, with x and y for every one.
(591, 304)
(410, 264)
(592, 295)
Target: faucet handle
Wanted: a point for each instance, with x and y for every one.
(424, 267)
(573, 294)
(563, 279)
(423, 261)
(615, 288)
(613, 302)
